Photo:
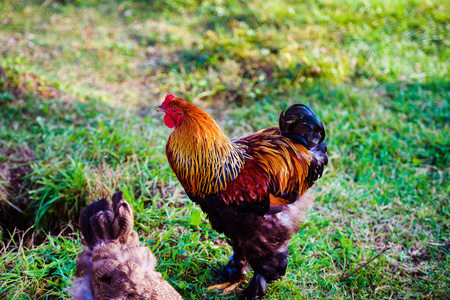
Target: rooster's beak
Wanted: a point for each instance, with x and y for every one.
(159, 108)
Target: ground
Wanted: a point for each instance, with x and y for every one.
(79, 85)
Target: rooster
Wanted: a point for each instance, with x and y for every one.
(253, 189)
(114, 264)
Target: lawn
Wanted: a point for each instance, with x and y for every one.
(79, 84)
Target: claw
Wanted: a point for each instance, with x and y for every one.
(232, 287)
(220, 286)
(226, 287)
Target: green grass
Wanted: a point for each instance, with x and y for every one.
(79, 84)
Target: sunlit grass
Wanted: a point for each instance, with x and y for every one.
(79, 84)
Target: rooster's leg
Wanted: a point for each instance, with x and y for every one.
(232, 274)
(234, 270)
(267, 269)
(256, 287)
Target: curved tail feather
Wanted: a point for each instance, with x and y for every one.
(300, 123)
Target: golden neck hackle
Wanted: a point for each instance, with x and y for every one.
(201, 155)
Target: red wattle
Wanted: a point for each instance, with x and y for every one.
(169, 121)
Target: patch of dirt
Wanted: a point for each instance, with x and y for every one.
(16, 212)
(14, 186)
(418, 254)
(17, 155)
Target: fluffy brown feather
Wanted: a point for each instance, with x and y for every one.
(114, 264)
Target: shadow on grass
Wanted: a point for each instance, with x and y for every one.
(31, 124)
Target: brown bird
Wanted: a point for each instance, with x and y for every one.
(114, 264)
(253, 189)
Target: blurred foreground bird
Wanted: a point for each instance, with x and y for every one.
(253, 189)
(114, 264)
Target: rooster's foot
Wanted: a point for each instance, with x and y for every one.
(226, 287)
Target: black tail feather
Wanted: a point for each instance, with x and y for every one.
(301, 124)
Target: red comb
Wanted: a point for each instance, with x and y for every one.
(169, 97)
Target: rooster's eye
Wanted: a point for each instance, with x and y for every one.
(174, 108)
